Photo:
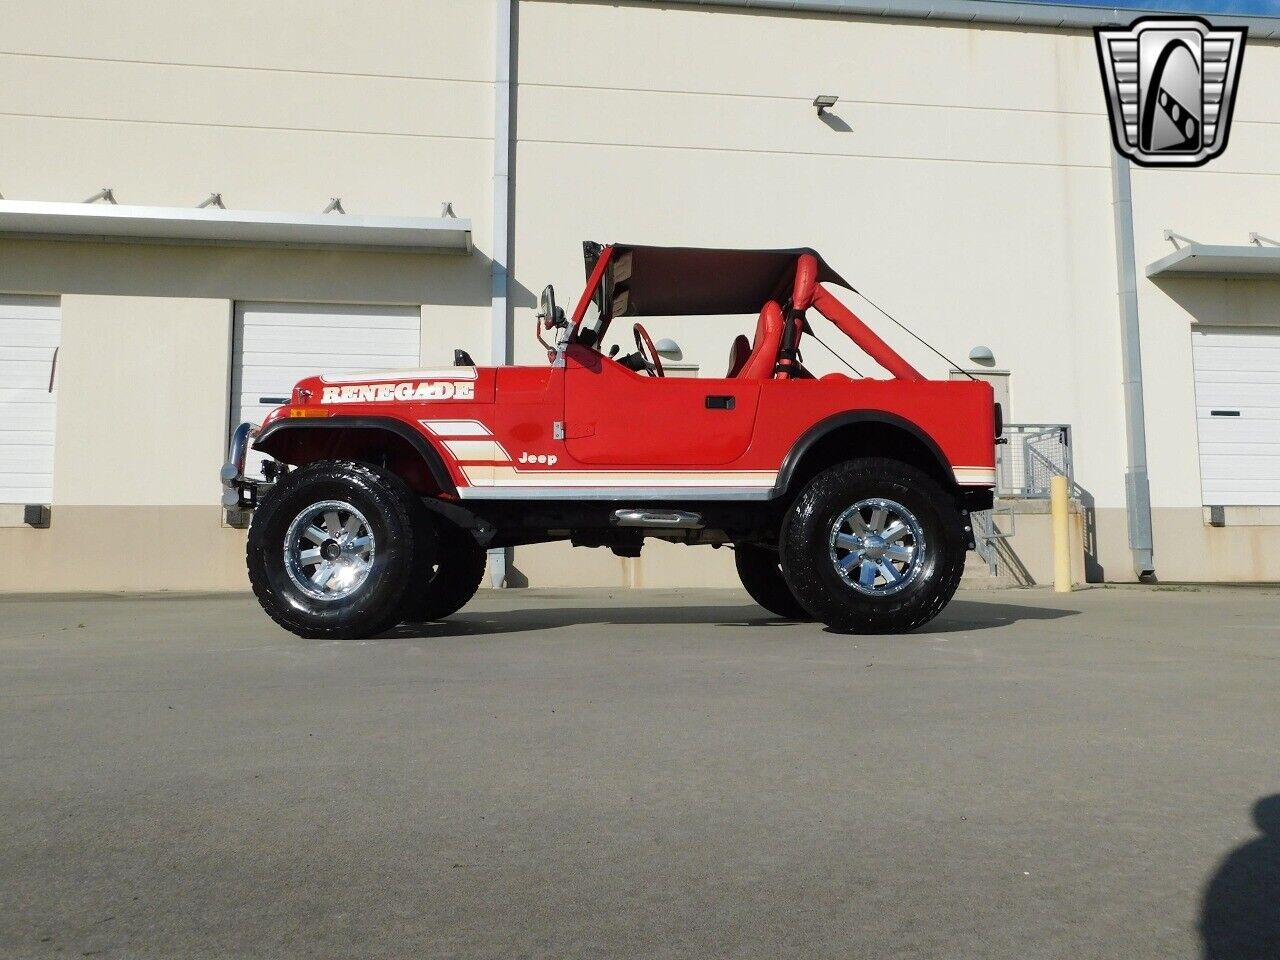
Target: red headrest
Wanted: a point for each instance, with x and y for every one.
(806, 280)
(764, 351)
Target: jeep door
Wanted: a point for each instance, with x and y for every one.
(617, 417)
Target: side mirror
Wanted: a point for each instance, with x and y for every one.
(548, 312)
(668, 349)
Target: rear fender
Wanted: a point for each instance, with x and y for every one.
(861, 433)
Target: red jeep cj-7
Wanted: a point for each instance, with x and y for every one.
(845, 500)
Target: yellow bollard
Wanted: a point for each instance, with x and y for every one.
(1061, 535)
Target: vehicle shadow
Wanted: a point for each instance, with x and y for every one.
(960, 616)
(966, 616)
(1240, 916)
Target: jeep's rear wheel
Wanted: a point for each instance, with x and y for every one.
(450, 581)
(873, 546)
(761, 574)
(330, 549)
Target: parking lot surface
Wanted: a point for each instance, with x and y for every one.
(644, 774)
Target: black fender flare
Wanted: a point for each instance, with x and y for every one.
(849, 417)
(430, 455)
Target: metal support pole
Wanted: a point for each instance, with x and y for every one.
(1136, 484)
(499, 350)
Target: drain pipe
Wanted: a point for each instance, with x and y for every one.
(500, 348)
(1137, 487)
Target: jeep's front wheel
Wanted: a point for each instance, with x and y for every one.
(873, 546)
(331, 550)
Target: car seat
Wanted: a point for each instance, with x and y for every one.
(757, 361)
(738, 354)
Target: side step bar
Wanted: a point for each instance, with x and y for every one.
(668, 519)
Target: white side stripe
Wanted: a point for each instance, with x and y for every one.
(456, 428)
(383, 376)
(975, 476)
(512, 477)
(476, 450)
(615, 493)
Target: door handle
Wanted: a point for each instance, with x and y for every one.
(1224, 413)
(720, 402)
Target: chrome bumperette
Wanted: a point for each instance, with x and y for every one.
(236, 453)
(238, 491)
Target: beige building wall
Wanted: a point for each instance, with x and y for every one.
(138, 445)
(1221, 203)
(974, 203)
(278, 107)
(975, 208)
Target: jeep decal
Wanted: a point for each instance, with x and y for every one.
(550, 459)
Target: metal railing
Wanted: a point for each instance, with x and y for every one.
(986, 536)
(1033, 453)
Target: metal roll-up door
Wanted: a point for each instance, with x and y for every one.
(1237, 376)
(278, 344)
(30, 333)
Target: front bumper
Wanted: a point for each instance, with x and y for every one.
(238, 491)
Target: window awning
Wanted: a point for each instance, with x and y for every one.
(1206, 260)
(121, 223)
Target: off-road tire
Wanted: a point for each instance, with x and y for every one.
(807, 554)
(392, 514)
(450, 581)
(761, 574)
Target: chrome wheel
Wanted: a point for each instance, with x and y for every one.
(877, 546)
(328, 550)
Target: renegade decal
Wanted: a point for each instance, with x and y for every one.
(402, 392)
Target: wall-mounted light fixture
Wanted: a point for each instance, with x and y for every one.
(824, 103)
(982, 355)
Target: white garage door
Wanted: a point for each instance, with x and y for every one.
(1238, 414)
(277, 344)
(30, 331)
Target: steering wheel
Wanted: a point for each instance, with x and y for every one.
(647, 351)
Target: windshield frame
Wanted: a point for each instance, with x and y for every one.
(594, 293)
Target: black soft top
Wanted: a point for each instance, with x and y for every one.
(684, 281)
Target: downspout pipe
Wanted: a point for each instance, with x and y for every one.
(1137, 487)
(499, 300)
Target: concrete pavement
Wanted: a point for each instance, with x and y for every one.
(643, 774)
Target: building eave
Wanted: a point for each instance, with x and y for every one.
(137, 224)
(984, 11)
(1217, 262)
